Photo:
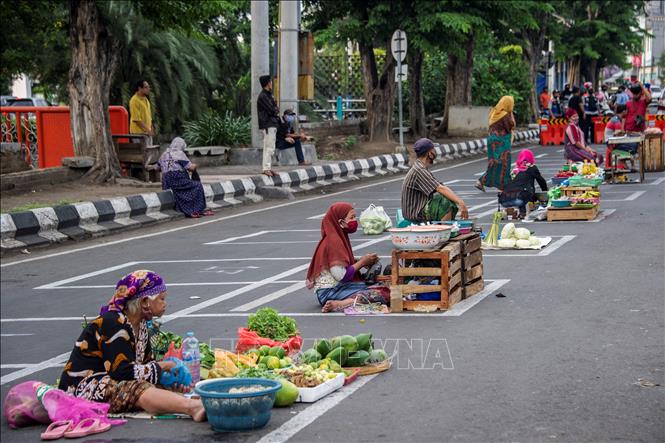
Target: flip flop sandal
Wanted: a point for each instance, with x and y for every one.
(208, 212)
(268, 173)
(57, 430)
(479, 186)
(87, 426)
(195, 215)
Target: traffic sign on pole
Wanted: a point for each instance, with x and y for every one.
(398, 45)
(398, 49)
(403, 74)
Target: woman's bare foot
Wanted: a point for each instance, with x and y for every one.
(268, 173)
(479, 185)
(197, 411)
(337, 305)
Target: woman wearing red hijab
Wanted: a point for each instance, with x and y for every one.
(521, 188)
(333, 273)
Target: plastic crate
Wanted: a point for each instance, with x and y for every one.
(581, 181)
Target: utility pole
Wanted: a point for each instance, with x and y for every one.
(260, 60)
(288, 54)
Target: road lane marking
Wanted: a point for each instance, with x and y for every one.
(541, 155)
(313, 412)
(57, 360)
(198, 283)
(658, 181)
(635, 195)
(15, 335)
(270, 297)
(89, 274)
(228, 217)
(463, 306)
(257, 234)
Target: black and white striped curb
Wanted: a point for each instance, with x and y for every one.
(43, 226)
(314, 177)
(475, 147)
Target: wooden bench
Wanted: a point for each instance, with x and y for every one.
(134, 151)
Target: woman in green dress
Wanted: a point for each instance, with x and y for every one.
(499, 141)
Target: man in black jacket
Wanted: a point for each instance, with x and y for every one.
(268, 113)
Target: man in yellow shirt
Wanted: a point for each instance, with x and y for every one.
(140, 112)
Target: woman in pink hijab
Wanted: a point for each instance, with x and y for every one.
(521, 189)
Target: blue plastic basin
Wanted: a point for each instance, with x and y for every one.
(239, 411)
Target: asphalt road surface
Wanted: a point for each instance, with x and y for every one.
(573, 352)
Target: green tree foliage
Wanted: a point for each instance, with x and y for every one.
(500, 71)
(598, 33)
(181, 69)
(34, 42)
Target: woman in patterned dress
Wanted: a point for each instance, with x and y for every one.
(112, 360)
(188, 194)
(499, 143)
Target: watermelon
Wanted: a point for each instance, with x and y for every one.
(310, 356)
(364, 342)
(358, 358)
(339, 355)
(377, 356)
(323, 346)
(346, 341)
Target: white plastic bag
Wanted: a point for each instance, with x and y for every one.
(374, 220)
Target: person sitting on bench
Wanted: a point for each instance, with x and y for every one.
(521, 189)
(423, 197)
(287, 138)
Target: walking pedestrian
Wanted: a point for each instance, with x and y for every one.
(140, 111)
(545, 98)
(590, 111)
(269, 120)
(499, 142)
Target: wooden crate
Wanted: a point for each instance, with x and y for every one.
(472, 263)
(654, 153)
(449, 273)
(558, 214)
(574, 191)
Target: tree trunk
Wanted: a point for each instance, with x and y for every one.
(574, 72)
(416, 101)
(458, 82)
(592, 69)
(379, 93)
(534, 43)
(94, 58)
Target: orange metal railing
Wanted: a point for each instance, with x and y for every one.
(45, 131)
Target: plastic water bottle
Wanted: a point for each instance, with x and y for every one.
(191, 356)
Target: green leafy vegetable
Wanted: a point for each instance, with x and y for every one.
(268, 323)
(258, 373)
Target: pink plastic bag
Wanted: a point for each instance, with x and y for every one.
(22, 407)
(63, 406)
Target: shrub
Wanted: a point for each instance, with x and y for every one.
(218, 130)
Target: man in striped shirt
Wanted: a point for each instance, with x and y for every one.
(423, 197)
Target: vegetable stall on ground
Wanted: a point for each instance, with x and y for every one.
(269, 347)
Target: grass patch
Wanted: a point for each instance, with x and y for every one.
(29, 206)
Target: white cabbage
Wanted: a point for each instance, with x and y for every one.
(508, 230)
(507, 242)
(522, 243)
(534, 241)
(522, 233)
